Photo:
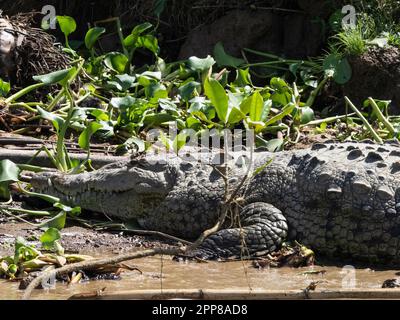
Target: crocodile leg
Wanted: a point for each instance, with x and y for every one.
(263, 229)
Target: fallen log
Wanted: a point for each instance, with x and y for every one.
(239, 294)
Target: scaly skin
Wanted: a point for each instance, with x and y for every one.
(339, 199)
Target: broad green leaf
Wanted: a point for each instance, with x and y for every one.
(23, 251)
(4, 88)
(147, 78)
(156, 91)
(54, 77)
(122, 82)
(123, 103)
(253, 106)
(266, 110)
(131, 40)
(116, 61)
(9, 172)
(167, 104)
(85, 136)
(158, 118)
(235, 115)
(188, 90)
(219, 99)
(57, 221)
(57, 121)
(307, 115)
(179, 141)
(275, 145)
(225, 60)
(243, 77)
(148, 42)
(67, 24)
(337, 67)
(198, 64)
(49, 237)
(72, 211)
(139, 29)
(92, 35)
(282, 92)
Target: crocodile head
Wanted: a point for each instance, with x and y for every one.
(124, 190)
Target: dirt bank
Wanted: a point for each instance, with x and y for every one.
(76, 239)
(375, 74)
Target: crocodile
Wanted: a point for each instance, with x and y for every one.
(339, 199)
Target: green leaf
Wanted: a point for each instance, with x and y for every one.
(158, 7)
(337, 67)
(179, 141)
(243, 77)
(147, 78)
(122, 82)
(282, 92)
(149, 42)
(307, 115)
(198, 64)
(158, 118)
(67, 24)
(187, 91)
(225, 60)
(139, 29)
(116, 61)
(235, 115)
(167, 104)
(57, 121)
(54, 77)
(123, 103)
(275, 145)
(4, 88)
(84, 137)
(9, 172)
(49, 237)
(156, 91)
(72, 211)
(253, 105)
(57, 221)
(92, 35)
(216, 93)
(131, 40)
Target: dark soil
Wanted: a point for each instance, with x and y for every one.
(375, 74)
(75, 239)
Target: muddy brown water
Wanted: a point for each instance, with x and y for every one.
(161, 272)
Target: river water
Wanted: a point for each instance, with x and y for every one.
(161, 272)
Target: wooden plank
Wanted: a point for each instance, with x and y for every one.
(242, 294)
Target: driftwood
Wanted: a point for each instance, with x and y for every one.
(240, 294)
